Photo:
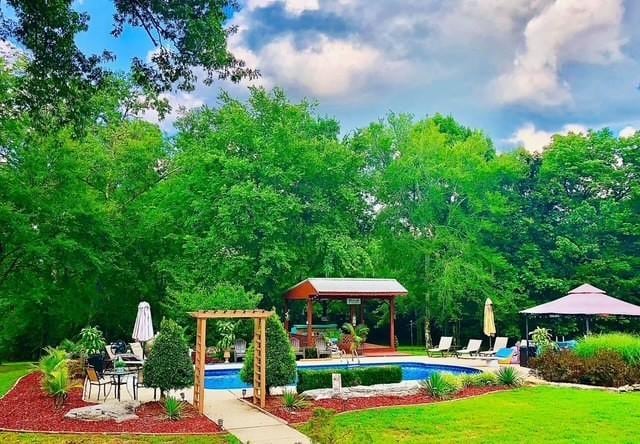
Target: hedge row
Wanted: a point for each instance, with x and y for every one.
(313, 379)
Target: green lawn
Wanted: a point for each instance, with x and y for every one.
(527, 415)
(9, 374)
(417, 350)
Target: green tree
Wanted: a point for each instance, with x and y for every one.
(169, 366)
(281, 360)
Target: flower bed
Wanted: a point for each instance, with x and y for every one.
(27, 408)
(275, 407)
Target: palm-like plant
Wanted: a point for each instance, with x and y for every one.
(358, 335)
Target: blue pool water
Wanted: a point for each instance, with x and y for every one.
(411, 371)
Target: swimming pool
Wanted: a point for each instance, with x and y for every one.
(411, 371)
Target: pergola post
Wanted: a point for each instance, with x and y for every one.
(310, 341)
(201, 349)
(392, 322)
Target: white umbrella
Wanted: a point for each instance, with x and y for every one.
(143, 328)
(489, 327)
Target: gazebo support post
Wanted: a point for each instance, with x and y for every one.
(392, 322)
(587, 323)
(310, 341)
(526, 329)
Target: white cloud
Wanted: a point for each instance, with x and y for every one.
(325, 68)
(535, 140)
(627, 131)
(295, 7)
(180, 103)
(566, 31)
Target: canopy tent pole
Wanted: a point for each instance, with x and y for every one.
(526, 327)
(392, 322)
(587, 322)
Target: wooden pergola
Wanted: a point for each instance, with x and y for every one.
(356, 289)
(259, 355)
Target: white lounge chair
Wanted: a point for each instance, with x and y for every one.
(136, 349)
(443, 347)
(473, 347)
(502, 356)
(501, 342)
(239, 349)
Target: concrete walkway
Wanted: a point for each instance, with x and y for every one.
(246, 423)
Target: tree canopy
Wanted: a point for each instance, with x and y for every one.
(251, 196)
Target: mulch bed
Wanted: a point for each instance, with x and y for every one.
(274, 403)
(27, 407)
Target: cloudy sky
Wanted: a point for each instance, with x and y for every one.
(518, 69)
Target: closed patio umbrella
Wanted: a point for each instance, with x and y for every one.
(143, 328)
(489, 327)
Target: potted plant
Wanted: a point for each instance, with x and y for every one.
(356, 335)
(91, 346)
(119, 365)
(227, 336)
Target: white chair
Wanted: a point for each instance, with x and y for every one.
(239, 349)
(443, 347)
(473, 347)
(500, 343)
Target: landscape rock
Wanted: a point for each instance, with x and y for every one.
(405, 388)
(109, 411)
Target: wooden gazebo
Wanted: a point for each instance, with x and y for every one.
(354, 291)
(259, 344)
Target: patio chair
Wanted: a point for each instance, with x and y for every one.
(295, 344)
(138, 381)
(321, 348)
(500, 343)
(94, 379)
(239, 349)
(473, 347)
(443, 347)
(136, 349)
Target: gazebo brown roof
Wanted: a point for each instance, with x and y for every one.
(312, 289)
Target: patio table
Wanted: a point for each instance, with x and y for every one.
(118, 375)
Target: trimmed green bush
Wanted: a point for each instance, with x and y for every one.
(441, 385)
(314, 379)
(169, 366)
(625, 345)
(281, 359)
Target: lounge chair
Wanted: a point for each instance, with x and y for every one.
(94, 379)
(443, 347)
(295, 344)
(321, 348)
(500, 343)
(502, 356)
(239, 349)
(473, 347)
(136, 349)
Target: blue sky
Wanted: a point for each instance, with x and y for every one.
(520, 70)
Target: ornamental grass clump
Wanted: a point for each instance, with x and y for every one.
(173, 408)
(509, 376)
(484, 379)
(625, 345)
(293, 401)
(441, 385)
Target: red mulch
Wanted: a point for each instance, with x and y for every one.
(274, 403)
(26, 407)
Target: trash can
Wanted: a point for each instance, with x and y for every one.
(526, 353)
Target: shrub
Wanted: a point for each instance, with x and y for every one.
(509, 376)
(56, 381)
(168, 366)
(478, 380)
(173, 408)
(440, 385)
(607, 368)
(293, 401)
(313, 379)
(542, 338)
(281, 360)
(322, 429)
(625, 345)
